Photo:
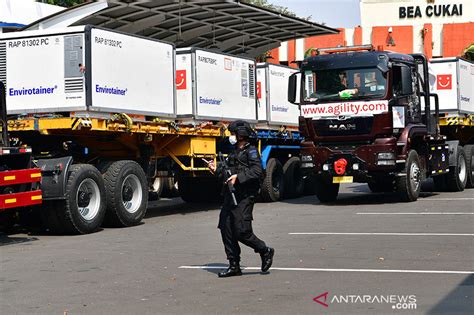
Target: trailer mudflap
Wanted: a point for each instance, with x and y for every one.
(438, 159)
(54, 177)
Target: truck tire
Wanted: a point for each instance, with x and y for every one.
(156, 188)
(83, 209)
(408, 185)
(456, 179)
(293, 178)
(326, 191)
(127, 194)
(469, 150)
(273, 184)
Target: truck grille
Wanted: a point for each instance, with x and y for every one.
(3, 62)
(336, 127)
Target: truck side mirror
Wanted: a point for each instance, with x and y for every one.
(293, 88)
(407, 86)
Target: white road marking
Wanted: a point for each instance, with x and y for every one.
(339, 270)
(388, 234)
(416, 213)
(446, 199)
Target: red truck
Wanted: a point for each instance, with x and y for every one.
(363, 120)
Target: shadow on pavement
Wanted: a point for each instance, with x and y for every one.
(172, 206)
(458, 301)
(215, 268)
(10, 240)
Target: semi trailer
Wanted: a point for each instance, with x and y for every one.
(363, 121)
(102, 113)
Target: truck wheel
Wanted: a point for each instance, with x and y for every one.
(156, 188)
(409, 185)
(83, 209)
(469, 150)
(293, 178)
(127, 194)
(273, 184)
(326, 191)
(457, 177)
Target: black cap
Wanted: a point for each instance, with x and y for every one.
(241, 128)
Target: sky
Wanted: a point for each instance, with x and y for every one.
(335, 13)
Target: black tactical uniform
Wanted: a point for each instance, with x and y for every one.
(235, 222)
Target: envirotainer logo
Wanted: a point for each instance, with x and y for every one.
(110, 90)
(32, 91)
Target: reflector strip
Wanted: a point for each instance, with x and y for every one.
(35, 175)
(12, 200)
(9, 178)
(36, 197)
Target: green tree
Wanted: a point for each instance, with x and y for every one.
(63, 3)
(280, 9)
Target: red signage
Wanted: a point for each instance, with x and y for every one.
(444, 82)
(259, 90)
(181, 79)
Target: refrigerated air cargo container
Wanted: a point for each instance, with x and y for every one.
(87, 69)
(215, 86)
(273, 106)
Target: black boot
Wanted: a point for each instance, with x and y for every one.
(233, 270)
(267, 258)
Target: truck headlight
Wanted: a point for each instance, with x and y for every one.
(307, 165)
(326, 167)
(306, 158)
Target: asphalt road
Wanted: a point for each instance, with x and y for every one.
(418, 256)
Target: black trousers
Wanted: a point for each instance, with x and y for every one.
(235, 223)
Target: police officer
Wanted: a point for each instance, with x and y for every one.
(235, 222)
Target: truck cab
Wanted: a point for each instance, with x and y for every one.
(362, 119)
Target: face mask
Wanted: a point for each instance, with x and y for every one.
(232, 139)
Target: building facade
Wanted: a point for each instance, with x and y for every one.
(437, 28)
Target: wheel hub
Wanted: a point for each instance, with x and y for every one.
(84, 199)
(127, 193)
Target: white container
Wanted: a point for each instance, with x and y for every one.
(215, 86)
(272, 89)
(453, 80)
(87, 68)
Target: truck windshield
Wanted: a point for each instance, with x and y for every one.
(343, 84)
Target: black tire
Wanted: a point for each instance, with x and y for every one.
(156, 188)
(456, 179)
(383, 185)
(293, 178)
(273, 185)
(469, 150)
(83, 210)
(326, 191)
(408, 185)
(127, 194)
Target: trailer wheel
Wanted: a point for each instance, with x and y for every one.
(457, 177)
(326, 191)
(83, 209)
(469, 150)
(156, 188)
(293, 178)
(127, 194)
(408, 185)
(273, 185)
